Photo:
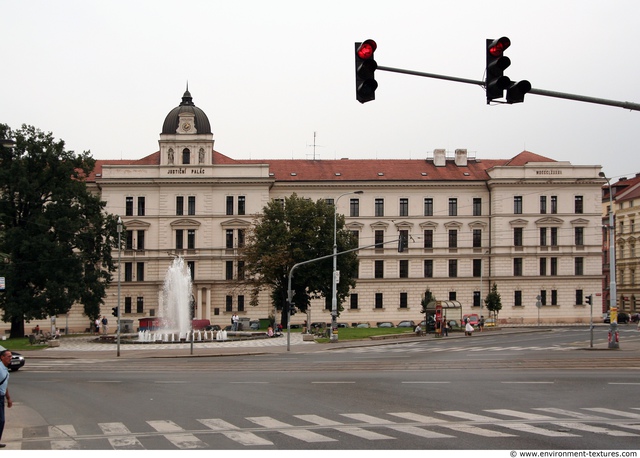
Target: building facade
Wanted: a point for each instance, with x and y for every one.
(529, 224)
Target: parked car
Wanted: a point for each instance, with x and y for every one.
(254, 325)
(385, 324)
(407, 324)
(212, 327)
(17, 360)
(429, 325)
(635, 317)
(623, 317)
(363, 325)
(343, 325)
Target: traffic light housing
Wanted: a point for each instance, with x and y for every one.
(291, 308)
(589, 299)
(366, 66)
(114, 311)
(496, 82)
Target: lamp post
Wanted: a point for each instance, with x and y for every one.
(613, 308)
(334, 277)
(119, 309)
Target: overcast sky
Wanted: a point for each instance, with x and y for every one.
(102, 75)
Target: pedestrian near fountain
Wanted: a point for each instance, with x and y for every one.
(234, 322)
(105, 322)
(97, 325)
(5, 357)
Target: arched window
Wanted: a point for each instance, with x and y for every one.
(186, 156)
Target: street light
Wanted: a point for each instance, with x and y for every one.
(613, 308)
(334, 277)
(119, 308)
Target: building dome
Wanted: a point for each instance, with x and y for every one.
(186, 106)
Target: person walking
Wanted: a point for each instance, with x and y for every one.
(5, 357)
(481, 323)
(105, 322)
(234, 322)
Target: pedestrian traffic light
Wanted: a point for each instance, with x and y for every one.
(366, 66)
(496, 82)
(114, 311)
(291, 308)
(589, 299)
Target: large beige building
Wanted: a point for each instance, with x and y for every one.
(529, 224)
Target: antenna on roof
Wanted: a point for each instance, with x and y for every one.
(314, 145)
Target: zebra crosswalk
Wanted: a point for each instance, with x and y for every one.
(416, 348)
(308, 429)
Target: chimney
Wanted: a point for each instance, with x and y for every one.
(461, 157)
(439, 157)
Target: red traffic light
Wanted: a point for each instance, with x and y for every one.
(366, 49)
(497, 47)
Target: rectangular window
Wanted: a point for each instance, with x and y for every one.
(543, 267)
(554, 297)
(379, 269)
(517, 205)
(229, 238)
(229, 304)
(553, 266)
(241, 237)
(517, 267)
(229, 205)
(543, 297)
(453, 238)
(128, 240)
(554, 236)
(353, 301)
(579, 263)
(141, 206)
(476, 299)
(354, 208)
(543, 236)
(578, 204)
(240, 270)
(543, 205)
(191, 265)
(453, 207)
(404, 236)
(140, 271)
(404, 207)
(379, 302)
(477, 206)
(140, 305)
(477, 238)
(428, 206)
(428, 268)
(453, 268)
(517, 298)
(554, 204)
(128, 271)
(241, 205)
(579, 236)
(452, 296)
(579, 297)
(379, 207)
(140, 245)
(179, 239)
(428, 238)
(477, 267)
(517, 236)
(127, 304)
(191, 205)
(128, 206)
(191, 239)
(228, 271)
(179, 205)
(404, 302)
(240, 303)
(379, 239)
(404, 268)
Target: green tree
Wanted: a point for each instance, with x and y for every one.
(57, 239)
(295, 231)
(493, 301)
(428, 298)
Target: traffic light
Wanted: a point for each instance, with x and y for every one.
(291, 308)
(114, 311)
(589, 299)
(497, 62)
(366, 66)
(495, 81)
(403, 242)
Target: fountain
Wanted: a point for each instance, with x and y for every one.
(175, 310)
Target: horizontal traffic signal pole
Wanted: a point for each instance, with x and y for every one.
(555, 94)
